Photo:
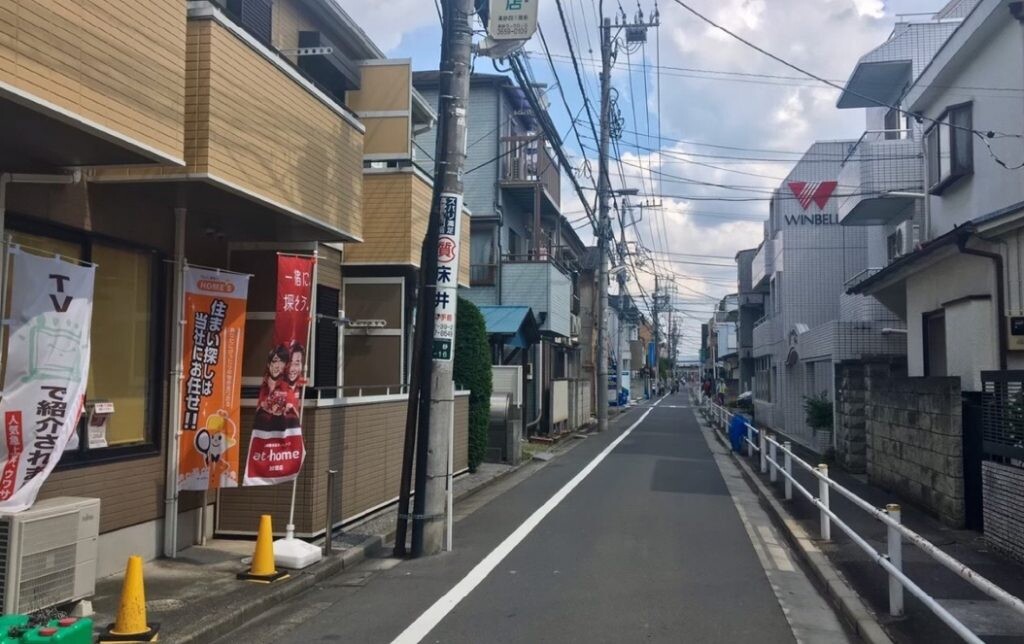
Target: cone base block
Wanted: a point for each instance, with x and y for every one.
(277, 575)
(150, 635)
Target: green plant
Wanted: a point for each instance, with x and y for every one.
(472, 371)
(819, 411)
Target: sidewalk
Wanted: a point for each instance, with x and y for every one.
(990, 620)
(196, 598)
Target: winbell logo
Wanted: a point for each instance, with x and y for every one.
(818, 192)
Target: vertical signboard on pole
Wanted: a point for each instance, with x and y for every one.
(276, 450)
(214, 333)
(46, 372)
(447, 278)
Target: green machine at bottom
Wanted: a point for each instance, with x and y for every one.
(19, 629)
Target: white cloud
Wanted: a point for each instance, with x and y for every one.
(387, 22)
(825, 37)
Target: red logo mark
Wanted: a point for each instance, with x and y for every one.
(818, 192)
(445, 250)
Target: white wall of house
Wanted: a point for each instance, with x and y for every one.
(994, 59)
(971, 336)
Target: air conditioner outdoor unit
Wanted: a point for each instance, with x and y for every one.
(909, 233)
(48, 554)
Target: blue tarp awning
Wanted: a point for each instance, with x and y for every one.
(516, 326)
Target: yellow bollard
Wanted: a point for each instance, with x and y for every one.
(130, 625)
(262, 569)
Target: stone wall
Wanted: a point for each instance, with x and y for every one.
(914, 429)
(852, 383)
(1004, 508)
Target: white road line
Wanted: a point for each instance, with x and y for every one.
(433, 615)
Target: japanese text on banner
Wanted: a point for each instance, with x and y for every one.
(215, 303)
(47, 369)
(276, 449)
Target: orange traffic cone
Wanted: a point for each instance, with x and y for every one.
(130, 625)
(262, 569)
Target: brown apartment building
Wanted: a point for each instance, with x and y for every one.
(135, 133)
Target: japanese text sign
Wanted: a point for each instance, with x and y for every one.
(208, 441)
(446, 294)
(276, 449)
(512, 19)
(46, 372)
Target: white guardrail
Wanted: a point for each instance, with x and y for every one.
(767, 447)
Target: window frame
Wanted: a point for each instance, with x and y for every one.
(938, 183)
(154, 414)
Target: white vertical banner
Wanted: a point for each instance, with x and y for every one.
(447, 278)
(46, 372)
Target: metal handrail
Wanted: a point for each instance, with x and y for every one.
(767, 447)
(860, 277)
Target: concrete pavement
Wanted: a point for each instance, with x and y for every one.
(637, 534)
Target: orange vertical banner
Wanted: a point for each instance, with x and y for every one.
(211, 389)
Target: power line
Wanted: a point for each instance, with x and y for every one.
(984, 136)
(688, 72)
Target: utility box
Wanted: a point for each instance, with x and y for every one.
(48, 554)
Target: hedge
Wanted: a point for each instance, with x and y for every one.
(472, 371)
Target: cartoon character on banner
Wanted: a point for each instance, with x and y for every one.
(281, 388)
(214, 441)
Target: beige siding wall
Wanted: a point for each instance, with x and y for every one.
(388, 202)
(364, 442)
(118, 64)
(396, 207)
(385, 88)
(253, 126)
(130, 492)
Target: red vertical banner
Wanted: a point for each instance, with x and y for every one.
(276, 450)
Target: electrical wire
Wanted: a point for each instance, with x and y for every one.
(919, 117)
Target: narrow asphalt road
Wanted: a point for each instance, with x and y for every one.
(652, 543)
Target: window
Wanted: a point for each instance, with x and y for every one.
(934, 348)
(762, 379)
(950, 147)
(892, 125)
(123, 368)
(326, 344)
(252, 15)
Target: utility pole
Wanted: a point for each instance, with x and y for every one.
(603, 223)
(635, 32)
(438, 293)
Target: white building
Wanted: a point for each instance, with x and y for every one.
(810, 323)
(962, 292)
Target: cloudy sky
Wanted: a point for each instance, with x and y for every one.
(728, 115)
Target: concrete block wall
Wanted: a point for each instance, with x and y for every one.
(1003, 489)
(914, 429)
(851, 423)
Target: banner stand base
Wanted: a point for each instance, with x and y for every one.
(296, 554)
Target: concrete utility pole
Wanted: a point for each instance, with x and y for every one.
(437, 396)
(603, 224)
(635, 32)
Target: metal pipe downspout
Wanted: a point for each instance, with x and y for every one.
(538, 381)
(997, 261)
(176, 373)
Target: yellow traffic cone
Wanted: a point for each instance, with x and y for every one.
(130, 625)
(262, 569)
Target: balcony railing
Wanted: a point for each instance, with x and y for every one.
(860, 277)
(879, 173)
(527, 160)
(483, 274)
